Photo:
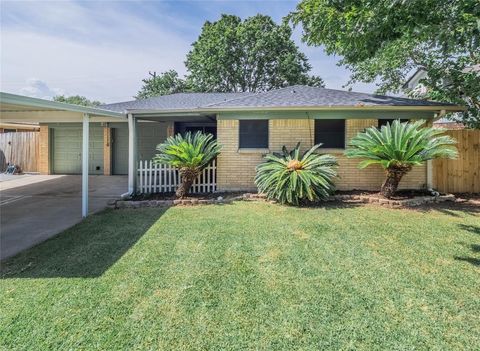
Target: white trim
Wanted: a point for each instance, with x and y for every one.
(85, 156)
(253, 150)
(132, 154)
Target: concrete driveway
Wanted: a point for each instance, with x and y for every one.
(34, 208)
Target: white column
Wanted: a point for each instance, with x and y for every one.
(86, 118)
(132, 154)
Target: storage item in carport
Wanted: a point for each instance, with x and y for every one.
(13, 169)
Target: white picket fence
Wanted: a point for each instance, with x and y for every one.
(160, 178)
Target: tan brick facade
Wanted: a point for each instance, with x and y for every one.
(236, 168)
(44, 150)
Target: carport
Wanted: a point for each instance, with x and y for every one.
(17, 108)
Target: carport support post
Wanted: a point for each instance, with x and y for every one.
(85, 155)
(132, 154)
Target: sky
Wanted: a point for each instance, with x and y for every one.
(103, 49)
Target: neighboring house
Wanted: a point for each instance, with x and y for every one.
(248, 125)
(414, 85)
(413, 82)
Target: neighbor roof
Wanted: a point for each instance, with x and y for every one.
(297, 96)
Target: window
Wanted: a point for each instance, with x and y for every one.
(204, 127)
(383, 122)
(330, 133)
(253, 134)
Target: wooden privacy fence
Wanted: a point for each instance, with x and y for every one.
(160, 178)
(463, 174)
(21, 148)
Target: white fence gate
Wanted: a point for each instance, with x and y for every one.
(160, 178)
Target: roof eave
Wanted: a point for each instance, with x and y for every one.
(14, 99)
(449, 108)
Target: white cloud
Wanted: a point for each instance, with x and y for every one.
(102, 50)
(39, 89)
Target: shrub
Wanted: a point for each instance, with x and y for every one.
(290, 177)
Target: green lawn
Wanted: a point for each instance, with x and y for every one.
(250, 276)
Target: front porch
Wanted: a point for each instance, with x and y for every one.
(147, 177)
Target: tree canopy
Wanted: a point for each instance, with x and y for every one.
(385, 41)
(76, 100)
(162, 84)
(255, 54)
(232, 55)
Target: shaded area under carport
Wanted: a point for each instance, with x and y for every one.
(33, 209)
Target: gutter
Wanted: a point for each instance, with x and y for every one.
(452, 108)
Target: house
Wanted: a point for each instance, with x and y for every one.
(418, 89)
(247, 125)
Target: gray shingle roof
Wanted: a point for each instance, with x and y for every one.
(300, 95)
(177, 101)
(294, 96)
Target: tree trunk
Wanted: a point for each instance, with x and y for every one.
(394, 176)
(187, 177)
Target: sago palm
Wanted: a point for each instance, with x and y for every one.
(291, 177)
(190, 154)
(397, 147)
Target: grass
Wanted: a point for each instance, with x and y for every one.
(249, 276)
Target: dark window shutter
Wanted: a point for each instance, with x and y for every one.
(253, 134)
(330, 133)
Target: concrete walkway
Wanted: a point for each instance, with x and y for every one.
(34, 208)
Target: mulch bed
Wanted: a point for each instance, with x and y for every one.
(400, 194)
(403, 198)
(171, 196)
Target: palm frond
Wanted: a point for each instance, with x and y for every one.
(194, 151)
(401, 144)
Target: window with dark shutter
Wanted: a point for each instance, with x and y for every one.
(383, 122)
(253, 134)
(330, 133)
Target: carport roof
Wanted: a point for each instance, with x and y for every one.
(23, 104)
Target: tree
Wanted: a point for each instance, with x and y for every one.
(163, 84)
(190, 154)
(76, 100)
(253, 55)
(397, 147)
(386, 40)
(291, 177)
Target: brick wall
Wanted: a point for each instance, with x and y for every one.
(236, 168)
(44, 150)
